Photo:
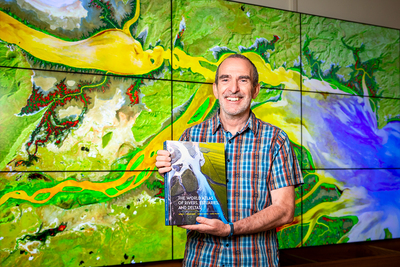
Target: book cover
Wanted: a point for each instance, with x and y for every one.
(196, 185)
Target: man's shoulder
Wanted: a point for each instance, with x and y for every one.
(194, 132)
(207, 124)
(266, 127)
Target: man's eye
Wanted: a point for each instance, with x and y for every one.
(244, 80)
(224, 80)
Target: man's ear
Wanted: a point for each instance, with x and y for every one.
(256, 91)
(215, 90)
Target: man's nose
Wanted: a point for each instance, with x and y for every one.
(234, 88)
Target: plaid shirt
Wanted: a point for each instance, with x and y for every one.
(259, 158)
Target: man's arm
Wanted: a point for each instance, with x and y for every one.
(279, 213)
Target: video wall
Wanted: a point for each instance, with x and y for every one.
(90, 89)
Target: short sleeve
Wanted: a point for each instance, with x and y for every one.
(285, 166)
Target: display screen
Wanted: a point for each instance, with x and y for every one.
(90, 90)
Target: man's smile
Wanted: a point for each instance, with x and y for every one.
(232, 99)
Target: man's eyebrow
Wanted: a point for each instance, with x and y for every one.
(223, 76)
(244, 77)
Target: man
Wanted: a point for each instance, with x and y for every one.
(262, 171)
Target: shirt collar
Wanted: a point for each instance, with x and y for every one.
(251, 123)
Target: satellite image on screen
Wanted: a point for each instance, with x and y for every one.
(90, 90)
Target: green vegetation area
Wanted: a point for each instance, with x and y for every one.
(331, 230)
(388, 234)
(290, 237)
(106, 139)
(326, 33)
(15, 88)
(200, 112)
(179, 241)
(266, 95)
(230, 25)
(155, 18)
(157, 98)
(95, 243)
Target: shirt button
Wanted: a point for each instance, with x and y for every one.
(230, 142)
(227, 244)
(228, 160)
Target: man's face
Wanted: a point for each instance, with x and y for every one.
(235, 89)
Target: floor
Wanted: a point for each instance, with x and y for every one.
(373, 253)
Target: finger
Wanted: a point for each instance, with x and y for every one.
(194, 227)
(163, 153)
(164, 170)
(161, 164)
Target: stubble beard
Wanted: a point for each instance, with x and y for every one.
(241, 109)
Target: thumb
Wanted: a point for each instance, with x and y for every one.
(200, 219)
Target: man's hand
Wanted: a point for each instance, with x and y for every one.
(163, 161)
(209, 226)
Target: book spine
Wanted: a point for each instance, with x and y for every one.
(166, 192)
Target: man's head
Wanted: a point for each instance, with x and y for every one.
(254, 72)
(236, 84)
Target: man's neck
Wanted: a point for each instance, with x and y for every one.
(233, 124)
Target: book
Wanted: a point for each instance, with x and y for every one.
(196, 185)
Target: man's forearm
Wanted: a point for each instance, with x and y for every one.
(279, 213)
(266, 219)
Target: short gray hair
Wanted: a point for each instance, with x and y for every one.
(254, 73)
